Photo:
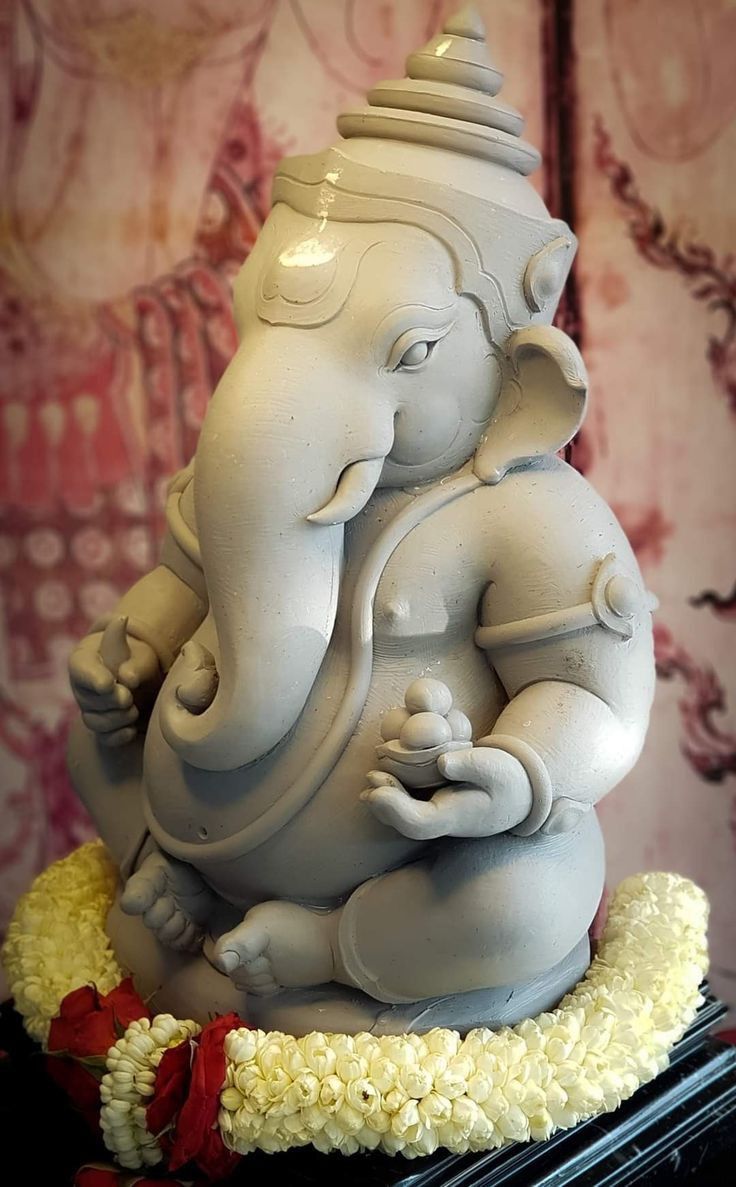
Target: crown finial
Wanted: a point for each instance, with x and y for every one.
(448, 101)
(467, 22)
(457, 57)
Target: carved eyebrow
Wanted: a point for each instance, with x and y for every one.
(430, 318)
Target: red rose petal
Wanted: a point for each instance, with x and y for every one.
(96, 1176)
(79, 1002)
(83, 1035)
(171, 1087)
(197, 1137)
(89, 1023)
(214, 1159)
(126, 1004)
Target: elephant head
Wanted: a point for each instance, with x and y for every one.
(393, 329)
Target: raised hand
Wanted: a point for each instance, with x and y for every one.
(106, 670)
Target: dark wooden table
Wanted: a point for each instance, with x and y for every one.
(681, 1128)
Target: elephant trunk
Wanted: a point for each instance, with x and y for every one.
(264, 464)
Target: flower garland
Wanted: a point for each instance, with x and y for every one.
(411, 1094)
(206, 1098)
(57, 940)
(131, 1078)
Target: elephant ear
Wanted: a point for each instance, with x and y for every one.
(541, 405)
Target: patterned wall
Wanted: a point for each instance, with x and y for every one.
(138, 140)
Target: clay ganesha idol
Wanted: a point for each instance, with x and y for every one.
(346, 740)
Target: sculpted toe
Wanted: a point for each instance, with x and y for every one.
(160, 913)
(190, 939)
(173, 928)
(240, 946)
(226, 961)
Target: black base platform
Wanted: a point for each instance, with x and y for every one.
(681, 1128)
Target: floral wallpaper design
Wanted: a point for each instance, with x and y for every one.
(138, 140)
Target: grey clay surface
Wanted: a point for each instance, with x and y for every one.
(346, 740)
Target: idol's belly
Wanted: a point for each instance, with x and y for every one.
(323, 850)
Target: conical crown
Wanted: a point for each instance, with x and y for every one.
(439, 151)
(448, 101)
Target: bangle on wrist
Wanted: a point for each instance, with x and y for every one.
(539, 778)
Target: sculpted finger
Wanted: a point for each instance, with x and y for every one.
(119, 738)
(110, 720)
(118, 698)
(383, 779)
(87, 670)
(142, 665)
(144, 887)
(467, 766)
(372, 794)
(129, 674)
(393, 806)
(412, 818)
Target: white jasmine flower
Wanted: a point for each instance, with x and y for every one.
(444, 1042)
(384, 1073)
(399, 1050)
(350, 1066)
(407, 1122)
(368, 1139)
(416, 1081)
(320, 1056)
(380, 1121)
(241, 1045)
(363, 1096)
(231, 1099)
(332, 1093)
(451, 1083)
(350, 1120)
(303, 1090)
(434, 1109)
(464, 1115)
(479, 1087)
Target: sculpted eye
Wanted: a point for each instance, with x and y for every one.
(416, 354)
(414, 347)
(408, 353)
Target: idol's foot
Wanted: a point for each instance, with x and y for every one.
(340, 1008)
(188, 986)
(172, 899)
(279, 945)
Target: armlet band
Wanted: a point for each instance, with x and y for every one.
(617, 601)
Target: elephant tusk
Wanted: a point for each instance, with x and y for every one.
(355, 487)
